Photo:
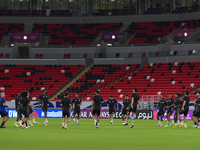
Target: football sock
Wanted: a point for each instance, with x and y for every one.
(20, 122)
(45, 120)
(195, 123)
(161, 122)
(112, 120)
(29, 121)
(181, 123)
(26, 125)
(172, 121)
(175, 124)
(74, 119)
(185, 124)
(34, 120)
(178, 121)
(63, 124)
(77, 120)
(158, 121)
(133, 122)
(15, 122)
(167, 122)
(66, 125)
(3, 123)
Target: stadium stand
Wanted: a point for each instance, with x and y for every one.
(74, 34)
(15, 78)
(100, 76)
(115, 12)
(154, 11)
(150, 32)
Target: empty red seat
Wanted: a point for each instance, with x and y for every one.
(25, 55)
(7, 56)
(37, 56)
(85, 55)
(1, 55)
(190, 52)
(41, 55)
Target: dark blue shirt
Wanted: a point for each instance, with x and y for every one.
(2, 108)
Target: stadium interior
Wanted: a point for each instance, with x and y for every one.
(83, 45)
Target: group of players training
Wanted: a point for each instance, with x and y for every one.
(180, 106)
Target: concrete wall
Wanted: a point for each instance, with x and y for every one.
(118, 61)
(135, 18)
(7, 50)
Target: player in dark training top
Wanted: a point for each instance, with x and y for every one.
(132, 107)
(65, 104)
(170, 110)
(96, 107)
(125, 106)
(196, 112)
(178, 104)
(162, 105)
(3, 112)
(18, 109)
(44, 101)
(111, 103)
(76, 103)
(185, 108)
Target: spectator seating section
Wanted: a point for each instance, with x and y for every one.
(100, 76)
(16, 78)
(150, 32)
(74, 34)
(154, 11)
(158, 77)
(185, 9)
(115, 12)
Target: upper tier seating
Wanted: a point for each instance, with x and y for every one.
(74, 34)
(115, 12)
(100, 76)
(154, 11)
(161, 77)
(150, 32)
(16, 78)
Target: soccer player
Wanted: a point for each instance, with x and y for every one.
(3, 112)
(132, 107)
(125, 106)
(170, 111)
(196, 112)
(18, 109)
(178, 106)
(185, 108)
(76, 102)
(111, 103)
(25, 104)
(97, 100)
(65, 104)
(44, 101)
(162, 105)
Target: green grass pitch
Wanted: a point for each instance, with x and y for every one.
(144, 136)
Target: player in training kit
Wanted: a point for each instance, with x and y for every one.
(65, 104)
(162, 106)
(125, 106)
(76, 103)
(170, 111)
(111, 103)
(25, 104)
(18, 109)
(196, 112)
(96, 102)
(178, 106)
(185, 108)
(132, 107)
(3, 112)
(44, 101)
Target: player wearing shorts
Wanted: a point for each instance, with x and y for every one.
(65, 104)
(162, 106)
(111, 103)
(185, 108)
(170, 110)
(76, 103)
(25, 104)
(44, 101)
(96, 102)
(18, 109)
(3, 112)
(196, 112)
(178, 106)
(132, 107)
(125, 106)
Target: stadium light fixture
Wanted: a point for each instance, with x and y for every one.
(179, 42)
(185, 34)
(25, 37)
(109, 44)
(193, 52)
(113, 37)
(98, 44)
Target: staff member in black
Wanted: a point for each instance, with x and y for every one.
(76, 103)
(96, 102)
(125, 106)
(111, 103)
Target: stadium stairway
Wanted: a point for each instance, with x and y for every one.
(54, 97)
